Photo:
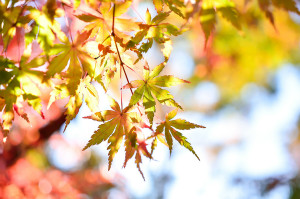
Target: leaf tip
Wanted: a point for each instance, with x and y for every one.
(42, 115)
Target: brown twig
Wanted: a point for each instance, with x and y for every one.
(118, 52)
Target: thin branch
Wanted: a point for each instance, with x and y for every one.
(119, 55)
(118, 52)
(113, 22)
(133, 70)
(121, 90)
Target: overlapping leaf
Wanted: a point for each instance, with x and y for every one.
(71, 69)
(208, 15)
(12, 20)
(153, 30)
(73, 56)
(150, 87)
(267, 5)
(46, 29)
(20, 84)
(85, 90)
(135, 146)
(101, 25)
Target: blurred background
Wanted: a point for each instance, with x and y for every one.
(245, 88)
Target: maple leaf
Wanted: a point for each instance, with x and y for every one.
(174, 6)
(170, 128)
(20, 84)
(85, 90)
(288, 5)
(134, 145)
(151, 86)
(153, 30)
(207, 21)
(46, 29)
(106, 64)
(117, 123)
(13, 20)
(265, 5)
(80, 61)
(101, 25)
(158, 4)
(208, 15)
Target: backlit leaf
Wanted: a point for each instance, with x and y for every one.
(117, 124)
(158, 4)
(150, 88)
(169, 127)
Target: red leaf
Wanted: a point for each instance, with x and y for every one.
(16, 46)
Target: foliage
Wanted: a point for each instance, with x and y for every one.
(39, 51)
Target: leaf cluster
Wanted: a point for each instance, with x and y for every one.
(39, 51)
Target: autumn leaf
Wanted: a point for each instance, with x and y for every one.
(101, 25)
(135, 146)
(158, 4)
(151, 86)
(85, 90)
(175, 6)
(265, 5)
(20, 84)
(209, 11)
(207, 21)
(13, 20)
(78, 59)
(153, 30)
(170, 128)
(288, 5)
(117, 123)
(46, 30)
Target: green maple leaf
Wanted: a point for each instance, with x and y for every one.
(153, 30)
(170, 128)
(151, 87)
(117, 123)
